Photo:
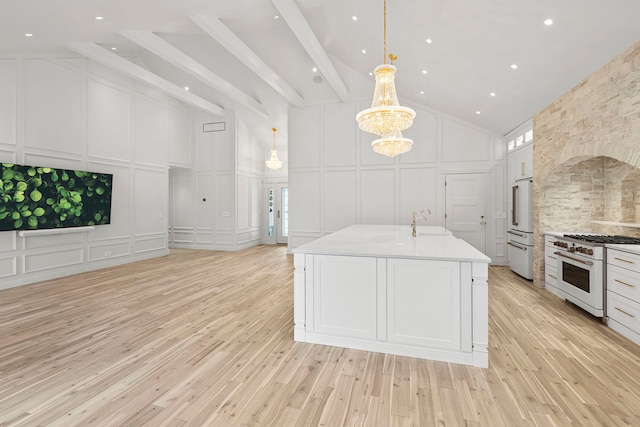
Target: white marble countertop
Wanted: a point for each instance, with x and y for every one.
(634, 249)
(394, 241)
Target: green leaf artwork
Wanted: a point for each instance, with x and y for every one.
(34, 197)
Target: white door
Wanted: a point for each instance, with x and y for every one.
(465, 217)
(277, 213)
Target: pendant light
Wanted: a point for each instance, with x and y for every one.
(273, 163)
(386, 117)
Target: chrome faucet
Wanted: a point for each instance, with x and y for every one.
(418, 215)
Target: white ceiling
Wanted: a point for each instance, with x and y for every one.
(474, 44)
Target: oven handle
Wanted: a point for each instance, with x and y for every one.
(574, 259)
(516, 246)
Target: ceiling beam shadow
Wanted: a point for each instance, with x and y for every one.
(174, 56)
(298, 24)
(105, 57)
(223, 35)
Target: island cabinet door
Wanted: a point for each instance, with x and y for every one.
(424, 300)
(344, 296)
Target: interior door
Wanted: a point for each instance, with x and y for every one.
(277, 213)
(465, 217)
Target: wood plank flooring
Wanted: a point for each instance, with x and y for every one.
(202, 338)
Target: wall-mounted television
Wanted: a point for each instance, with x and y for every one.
(36, 197)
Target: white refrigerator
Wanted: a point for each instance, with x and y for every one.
(520, 233)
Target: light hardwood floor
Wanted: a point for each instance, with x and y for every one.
(206, 338)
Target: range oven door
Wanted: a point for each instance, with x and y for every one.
(581, 281)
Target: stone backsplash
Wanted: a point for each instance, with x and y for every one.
(587, 154)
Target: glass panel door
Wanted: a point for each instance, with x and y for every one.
(277, 213)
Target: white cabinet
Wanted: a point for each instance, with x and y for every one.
(550, 265)
(422, 308)
(524, 162)
(623, 293)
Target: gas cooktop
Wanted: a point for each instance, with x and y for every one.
(603, 239)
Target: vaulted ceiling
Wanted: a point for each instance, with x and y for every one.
(258, 56)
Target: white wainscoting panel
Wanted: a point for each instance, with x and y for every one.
(100, 252)
(149, 201)
(304, 136)
(339, 135)
(8, 267)
(179, 138)
(257, 205)
(424, 134)
(54, 240)
(204, 147)
(109, 122)
(463, 143)
(150, 243)
(225, 211)
(243, 198)
(57, 160)
(55, 113)
(377, 196)
(182, 214)
(49, 260)
(305, 213)
(8, 241)
(224, 147)
(205, 202)
(8, 106)
(339, 200)
(418, 190)
(244, 149)
(151, 132)
(8, 156)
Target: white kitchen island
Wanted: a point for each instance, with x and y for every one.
(375, 288)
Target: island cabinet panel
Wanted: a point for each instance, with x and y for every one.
(376, 288)
(344, 295)
(424, 303)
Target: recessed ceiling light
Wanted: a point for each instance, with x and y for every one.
(364, 51)
(28, 35)
(421, 92)
(424, 72)
(276, 16)
(548, 21)
(355, 18)
(370, 73)
(492, 94)
(99, 18)
(514, 66)
(113, 48)
(314, 69)
(186, 88)
(477, 112)
(429, 41)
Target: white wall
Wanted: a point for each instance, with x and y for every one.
(76, 114)
(336, 180)
(216, 198)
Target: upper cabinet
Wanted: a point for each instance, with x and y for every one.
(520, 152)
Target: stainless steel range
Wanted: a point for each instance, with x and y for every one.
(581, 269)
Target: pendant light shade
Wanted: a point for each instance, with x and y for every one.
(274, 163)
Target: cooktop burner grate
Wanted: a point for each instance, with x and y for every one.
(603, 239)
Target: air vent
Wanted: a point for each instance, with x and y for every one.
(214, 127)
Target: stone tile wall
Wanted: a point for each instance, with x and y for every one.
(597, 121)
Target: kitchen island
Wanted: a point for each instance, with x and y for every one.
(376, 288)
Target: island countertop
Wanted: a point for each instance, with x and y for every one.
(394, 241)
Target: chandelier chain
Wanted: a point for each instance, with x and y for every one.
(385, 32)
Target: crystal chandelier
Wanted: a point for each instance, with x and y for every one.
(386, 117)
(273, 163)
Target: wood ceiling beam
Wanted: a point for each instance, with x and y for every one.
(223, 35)
(174, 56)
(105, 57)
(300, 27)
